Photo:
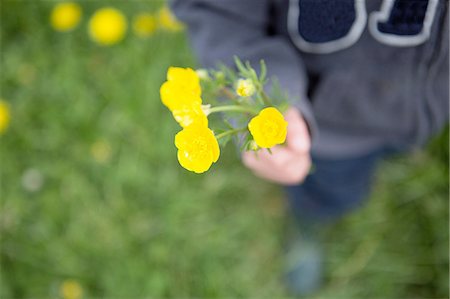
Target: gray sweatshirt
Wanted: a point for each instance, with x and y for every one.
(364, 74)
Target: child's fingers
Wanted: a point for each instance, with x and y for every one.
(278, 157)
(298, 170)
(297, 138)
(291, 173)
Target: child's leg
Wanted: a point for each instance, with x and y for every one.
(333, 188)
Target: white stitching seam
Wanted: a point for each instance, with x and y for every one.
(398, 40)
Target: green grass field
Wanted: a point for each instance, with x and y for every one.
(129, 222)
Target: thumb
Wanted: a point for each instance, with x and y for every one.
(297, 138)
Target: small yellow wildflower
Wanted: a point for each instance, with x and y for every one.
(268, 128)
(182, 87)
(190, 113)
(197, 148)
(101, 151)
(4, 116)
(107, 26)
(65, 16)
(245, 87)
(168, 21)
(71, 289)
(144, 24)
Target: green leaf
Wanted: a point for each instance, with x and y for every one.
(263, 74)
(228, 124)
(240, 66)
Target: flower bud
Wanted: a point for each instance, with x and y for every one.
(253, 145)
(203, 74)
(245, 87)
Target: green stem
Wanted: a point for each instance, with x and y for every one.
(265, 97)
(232, 108)
(229, 132)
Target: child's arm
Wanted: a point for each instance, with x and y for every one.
(220, 29)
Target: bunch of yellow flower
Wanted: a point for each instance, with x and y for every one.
(181, 94)
(108, 25)
(198, 145)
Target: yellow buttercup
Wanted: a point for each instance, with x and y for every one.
(107, 26)
(191, 113)
(144, 24)
(182, 87)
(65, 16)
(268, 128)
(197, 148)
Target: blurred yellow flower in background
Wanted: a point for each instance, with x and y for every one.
(190, 113)
(197, 148)
(71, 289)
(182, 87)
(268, 128)
(26, 74)
(101, 151)
(65, 16)
(168, 21)
(107, 26)
(144, 24)
(4, 116)
(245, 87)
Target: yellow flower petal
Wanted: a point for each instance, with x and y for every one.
(174, 96)
(4, 116)
(268, 128)
(190, 113)
(186, 77)
(107, 26)
(197, 148)
(181, 88)
(65, 16)
(144, 24)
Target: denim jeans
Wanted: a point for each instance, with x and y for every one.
(333, 188)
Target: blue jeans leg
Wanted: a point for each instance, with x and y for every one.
(334, 187)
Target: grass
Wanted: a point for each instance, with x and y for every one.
(129, 222)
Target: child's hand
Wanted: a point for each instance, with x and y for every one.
(287, 165)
